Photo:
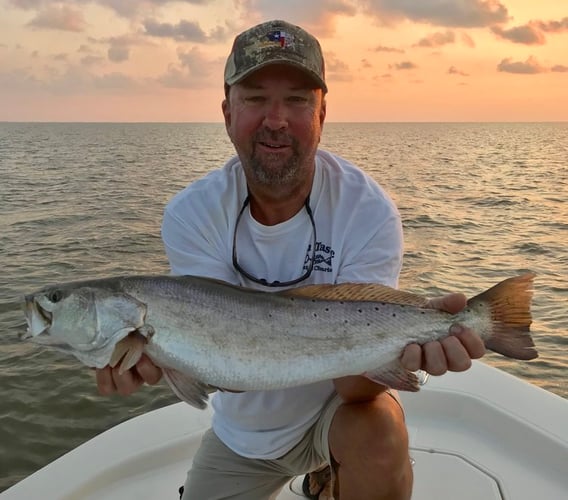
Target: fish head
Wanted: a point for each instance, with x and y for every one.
(82, 319)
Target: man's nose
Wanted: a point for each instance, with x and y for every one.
(275, 117)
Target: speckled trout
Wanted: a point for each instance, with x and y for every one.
(205, 334)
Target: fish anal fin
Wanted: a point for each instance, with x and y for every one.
(364, 292)
(188, 389)
(393, 375)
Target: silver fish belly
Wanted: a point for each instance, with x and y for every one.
(206, 334)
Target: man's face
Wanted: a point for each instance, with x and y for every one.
(274, 118)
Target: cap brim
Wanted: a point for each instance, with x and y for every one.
(319, 83)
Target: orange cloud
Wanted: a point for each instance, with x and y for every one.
(454, 71)
(528, 34)
(533, 32)
(553, 26)
(437, 39)
(382, 48)
(59, 17)
(184, 30)
(465, 13)
(404, 65)
(530, 67)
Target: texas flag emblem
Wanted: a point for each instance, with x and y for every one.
(281, 37)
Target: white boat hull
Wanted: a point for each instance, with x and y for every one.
(482, 434)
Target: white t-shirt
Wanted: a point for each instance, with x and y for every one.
(359, 239)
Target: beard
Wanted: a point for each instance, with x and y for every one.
(272, 169)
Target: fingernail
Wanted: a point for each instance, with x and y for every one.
(456, 329)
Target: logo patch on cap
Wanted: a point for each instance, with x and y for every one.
(281, 37)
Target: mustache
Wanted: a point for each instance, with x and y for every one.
(274, 136)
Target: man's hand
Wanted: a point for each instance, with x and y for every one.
(109, 381)
(454, 353)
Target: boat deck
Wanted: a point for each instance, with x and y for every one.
(482, 434)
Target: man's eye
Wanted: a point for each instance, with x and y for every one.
(254, 99)
(297, 100)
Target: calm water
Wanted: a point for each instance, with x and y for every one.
(480, 202)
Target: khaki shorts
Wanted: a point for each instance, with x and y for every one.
(218, 473)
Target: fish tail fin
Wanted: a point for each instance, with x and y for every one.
(509, 303)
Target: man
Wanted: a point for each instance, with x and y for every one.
(283, 213)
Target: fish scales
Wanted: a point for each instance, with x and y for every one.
(207, 334)
(242, 342)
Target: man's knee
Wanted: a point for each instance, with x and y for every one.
(369, 442)
(373, 431)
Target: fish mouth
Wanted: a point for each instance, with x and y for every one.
(37, 318)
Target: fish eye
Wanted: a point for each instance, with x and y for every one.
(55, 296)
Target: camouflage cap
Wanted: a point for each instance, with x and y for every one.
(275, 42)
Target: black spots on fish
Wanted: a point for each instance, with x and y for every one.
(394, 315)
(359, 310)
(320, 312)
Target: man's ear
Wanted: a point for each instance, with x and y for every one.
(226, 107)
(323, 111)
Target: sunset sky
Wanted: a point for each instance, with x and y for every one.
(387, 60)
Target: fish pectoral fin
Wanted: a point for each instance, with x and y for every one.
(364, 292)
(395, 376)
(129, 350)
(188, 389)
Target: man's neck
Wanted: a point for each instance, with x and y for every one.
(270, 207)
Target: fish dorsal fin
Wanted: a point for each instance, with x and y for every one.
(363, 292)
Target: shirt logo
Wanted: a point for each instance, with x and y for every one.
(324, 255)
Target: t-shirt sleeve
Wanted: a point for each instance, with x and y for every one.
(195, 249)
(374, 250)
